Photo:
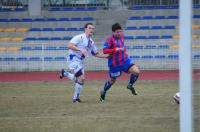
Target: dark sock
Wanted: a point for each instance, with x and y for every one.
(133, 78)
(107, 86)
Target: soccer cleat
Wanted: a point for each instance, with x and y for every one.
(102, 96)
(76, 100)
(132, 89)
(62, 73)
(176, 99)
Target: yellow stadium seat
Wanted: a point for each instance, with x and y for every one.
(13, 48)
(17, 39)
(175, 37)
(9, 29)
(195, 36)
(196, 46)
(5, 39)
(2, 48)
(174, 46)
(22, 29)
(195, 26)
(1, 29)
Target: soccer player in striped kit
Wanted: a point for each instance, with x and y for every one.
(118, 61)
(79, 47)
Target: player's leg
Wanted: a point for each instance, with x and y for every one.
(78, 85)
(134, 71)
(177, 97)
(108, 84)
(68, 74)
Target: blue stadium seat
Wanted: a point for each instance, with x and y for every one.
(144, 27)
(153, 37)
(196, 16)
(197, 56)
(21, 59)
(159, 17)
(75, 19)
(87, 19)
(51, 48)
(8, 59)
(147, 56)
(163, 47)
(172, 56)
(140, 37)
(14, 20)
(150, 47)
(135, 57)
(30, 39)
(166, 37)
(47, 29)
(35, 59)
(63, 19)
(59, 29)
(43, 38)
(71, 29)
(66, 38)
(39, 20)
(172, 17)
(147, 17)
(37, 48)
(138, 47)
(159, 56)
(52, 19)
(27, 20)
(59, 58)
(128, 37)
(135, 18)
(34, 29)
(169, 27)
(131, 28)
(26, 48)
(48, 58)
(4, 20)
(55, 38)
(63, 48)
(156, 27)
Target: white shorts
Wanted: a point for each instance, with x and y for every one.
(75, 65)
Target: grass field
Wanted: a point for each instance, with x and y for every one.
(46, 106)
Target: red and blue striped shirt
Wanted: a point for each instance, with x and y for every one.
(117, 57)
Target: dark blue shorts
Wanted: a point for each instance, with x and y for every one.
(115, 72)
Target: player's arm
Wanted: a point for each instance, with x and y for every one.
(101, 55)
(75, 48)
(111, 51)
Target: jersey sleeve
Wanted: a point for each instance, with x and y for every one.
(108, 47)
(75, 40)
(94, 50)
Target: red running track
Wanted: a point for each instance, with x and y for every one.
(102, 75)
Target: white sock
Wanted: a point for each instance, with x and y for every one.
(77, 90)
(69, 76)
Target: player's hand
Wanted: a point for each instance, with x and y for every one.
(119, 49)
(83, 51)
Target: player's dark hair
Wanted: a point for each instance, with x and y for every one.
(116, 26)
(86, 25)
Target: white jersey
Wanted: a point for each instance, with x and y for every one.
(82, 41)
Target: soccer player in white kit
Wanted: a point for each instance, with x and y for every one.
(79, 47)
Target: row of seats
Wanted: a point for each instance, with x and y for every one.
(39, 29)
(150, 27)
(45, 19)
(64, 58)
(143, 7)
(12, 9)
(69, 38)
(156, 17)
(73, 9)
(29, 48)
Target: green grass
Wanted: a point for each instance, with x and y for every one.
(47, 107)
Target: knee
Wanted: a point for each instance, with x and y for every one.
(80, 80)
(112, 81)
